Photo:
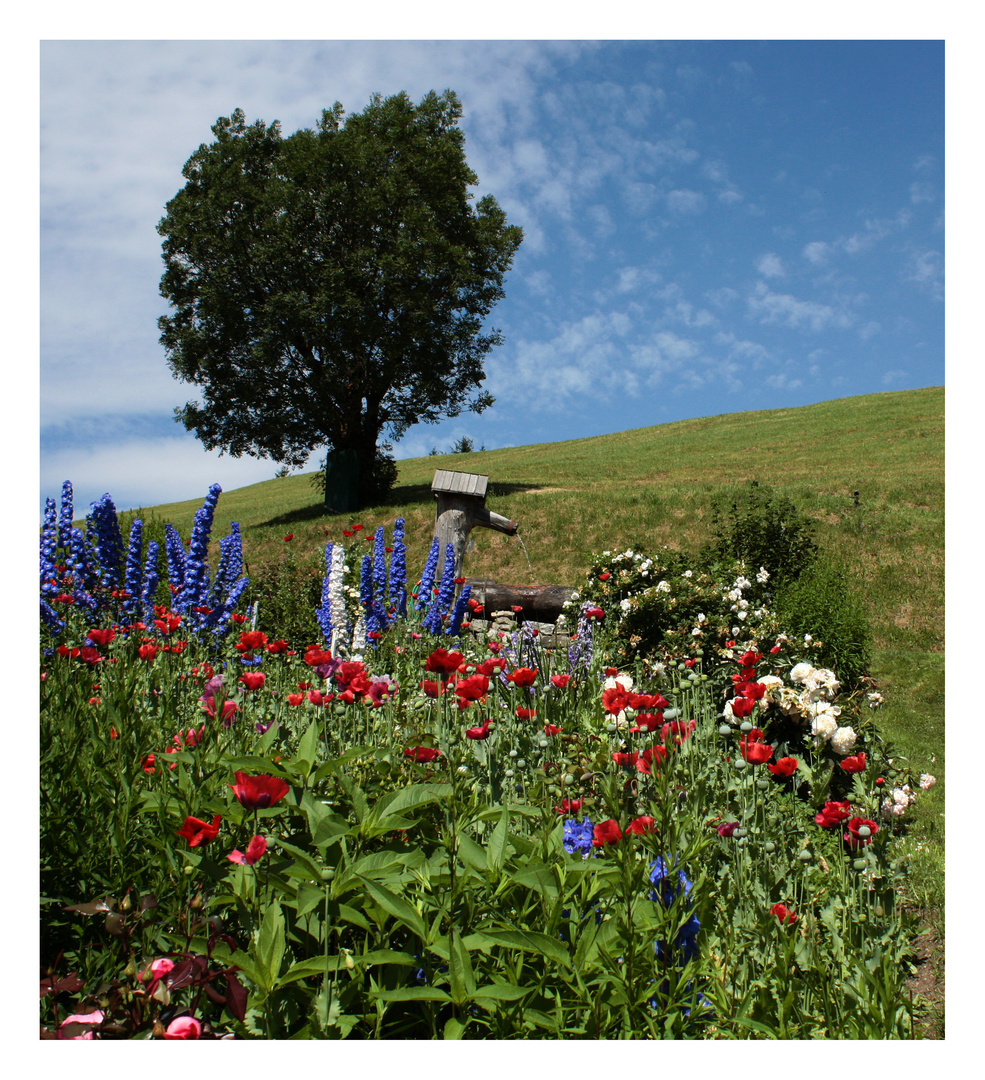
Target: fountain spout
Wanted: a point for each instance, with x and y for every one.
(461, 507)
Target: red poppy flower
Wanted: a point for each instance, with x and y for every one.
(198, 833)
(251, 640)
(742, 706)
(784, 914)
(523, 676)
(615, 700)
(148, 764)
(253, 680)
(434, 689)
(750, 658)
(474, 688)
(674, 733)
(605, 576)
(786, 766)
(526, 714)
(606, 832)
(550, 730)
(316, 697)
(147, 652)
(276, 647)
(854, 764)
(422, 753)
(560, 681)
(753, 690)
(753, 749)
(594, 613)
(854, 838)
(101, 637)
(727, 828)
(641, 825)
(649, 761)
(478, 733)
(295, 699)
(443, 662)
(833, 813)
(315, 657)
(626, 759)
(288, 538)
(168, 622)
(492, 666)
(569, 806)
(259, 792)
(255, 851)
(237, 618)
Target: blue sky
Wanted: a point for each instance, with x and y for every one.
(712, 226)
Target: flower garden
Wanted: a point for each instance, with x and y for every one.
(670, 819)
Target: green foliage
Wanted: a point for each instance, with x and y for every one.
(288, 593)
(824, 603)
(758, 526)
(333, 284)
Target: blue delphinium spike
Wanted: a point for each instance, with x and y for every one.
(107, 540)
(175, 550)
(398, 571)
(424, 592)
(132, 571)
(148, 588)
(194, 592)
(65, 520)
(323, 613)
(49, 548)
(458, 614)
(446, 593)
(51, 618)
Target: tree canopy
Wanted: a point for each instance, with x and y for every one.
(332, 286)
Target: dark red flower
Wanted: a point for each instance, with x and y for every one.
(833, 813)
(750, 658)
(784, 914)
(237, 618)
(148, 764)
(253, 680)
(474, 688)
(854, 764)
(569, 806)
(649, 761)
(259, 792)
(550, 730)
(255, 851)
(742, 706)
(421, 753)
(676, 731)
(753, 749)
(626, 760)
(752, 690)
(854, 838)
(523, 676)
(615, 699)
(606, 832)
(197, 832)
(594, 613)
(605, 576)
(251, 640)
(101, 637)
(786, 766)
(641, 825)
(478, 733)
(526, 714)
(490, 667)
(444, 662)
(727, 828)
(288, 538)
(276, 647)
(147, 652)
(434, 689)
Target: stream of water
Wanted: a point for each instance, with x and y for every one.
(525, 552)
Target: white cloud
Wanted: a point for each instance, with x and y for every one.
(817, 252)
(769, 265)
(683, 201)
(770, 307)
(925, 269)
(147, 472)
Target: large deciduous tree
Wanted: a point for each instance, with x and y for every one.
(332, 286)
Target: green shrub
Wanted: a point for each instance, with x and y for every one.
(757, 526)
(288, 593)
(822, 602)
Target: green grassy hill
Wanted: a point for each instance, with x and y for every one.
(652, 486)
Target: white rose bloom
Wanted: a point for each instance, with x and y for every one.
(663, 586)
(875, 700)
(763, 576)
(843, 740)
(800, 672)
(727, 715)
(624, 604)
(927, 781)
(687, 573)
(824, 725)
(742, 615)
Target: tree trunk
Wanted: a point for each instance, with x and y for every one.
(537, 603)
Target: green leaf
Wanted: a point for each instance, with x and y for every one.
(307, 751)
(530, 941)
(496, 848)
(500, 991)
(412, 993)
(454, 1029)
(396, 906)
(272, 944)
